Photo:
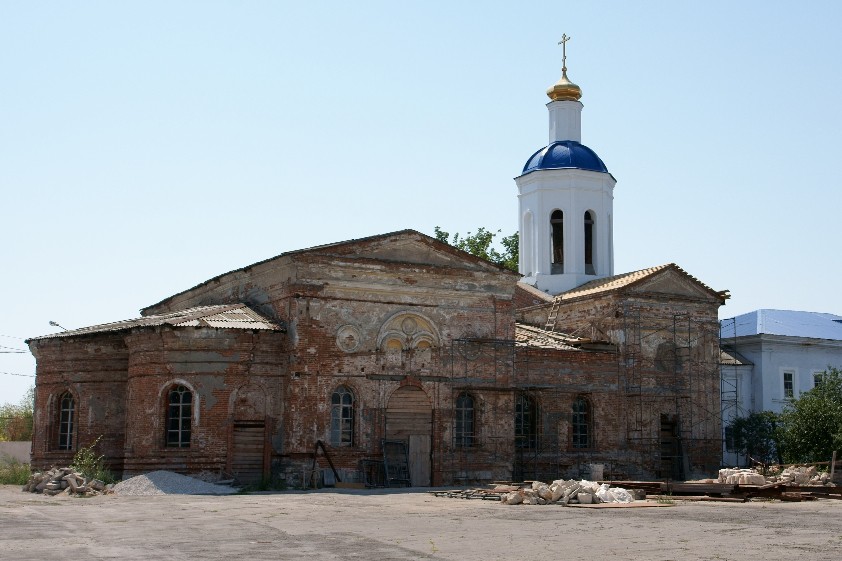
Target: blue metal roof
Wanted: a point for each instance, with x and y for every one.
(812, 325)
(565, 154)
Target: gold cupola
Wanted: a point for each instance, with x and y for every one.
(564, 89)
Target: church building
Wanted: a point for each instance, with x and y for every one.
(401, 346)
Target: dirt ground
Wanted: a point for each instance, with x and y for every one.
(399, 525)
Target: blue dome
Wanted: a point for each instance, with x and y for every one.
(565, 154)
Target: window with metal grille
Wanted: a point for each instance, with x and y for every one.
(179, 417)
(342, 417)
(526, 422)
(66, 421)
(580, 423)
(463, 427)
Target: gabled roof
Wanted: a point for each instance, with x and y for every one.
(812, 325)
(729, 357)
(346, 248)
(534, 293)
(227, 316)
(627, 280)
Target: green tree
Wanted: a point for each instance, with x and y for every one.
(480, 245)
(16, 420)
(756, 436)
(811, 426)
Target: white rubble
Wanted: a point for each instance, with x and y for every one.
(566, 492)
(163, 482)
(794, 475)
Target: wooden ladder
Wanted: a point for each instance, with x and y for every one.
(550, 326)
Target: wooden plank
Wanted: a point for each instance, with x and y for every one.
(248, 453)
(419, 460)
(635, 504)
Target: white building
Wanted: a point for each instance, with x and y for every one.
(566, 198)
(770, 357)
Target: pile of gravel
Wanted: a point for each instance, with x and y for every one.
(168, 483)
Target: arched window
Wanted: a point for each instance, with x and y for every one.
(66, 421)
(581, 423)
(342, 417)
(557, 228)
(526, 250)
(463, 427)
(589, 257)
(179, 417)
(526, 422)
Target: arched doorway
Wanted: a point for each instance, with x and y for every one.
(248, 456)
(409, 417)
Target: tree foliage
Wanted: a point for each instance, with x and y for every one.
(811, 426)
(16, 420)
(480, 245)
(756, 435)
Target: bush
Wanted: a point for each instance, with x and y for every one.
(14, 472)
(92, 466)
(756, 436)
(811, 426)
(16, 420)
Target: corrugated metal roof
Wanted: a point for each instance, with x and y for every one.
(812, 325)
(223, 316)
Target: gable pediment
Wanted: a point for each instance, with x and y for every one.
(670, 282)
(408, 247)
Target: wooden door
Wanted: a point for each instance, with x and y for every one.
(249, 444)
(419, 454)
(409, 417)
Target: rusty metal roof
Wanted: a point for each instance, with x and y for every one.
(730, 357)
(531, 336)
(223, 316)
(617, 282)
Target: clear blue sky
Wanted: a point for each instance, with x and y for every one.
(148, 146)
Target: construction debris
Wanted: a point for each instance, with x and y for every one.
(791, 483)
(559, 492)
(790, 475)
(65, 480)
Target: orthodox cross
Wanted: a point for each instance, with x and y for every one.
(563, 43)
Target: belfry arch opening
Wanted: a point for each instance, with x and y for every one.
(557, 239)
(589, 243)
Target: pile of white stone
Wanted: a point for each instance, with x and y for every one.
(802, 475)
(163, 482)
(795, 475)
(737, 476)
(567, 492)
(65, 480)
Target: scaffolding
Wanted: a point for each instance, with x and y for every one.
(732, 404)
(668, 373)
(669, 410)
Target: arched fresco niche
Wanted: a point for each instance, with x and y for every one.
(249, 403)
(408, 332)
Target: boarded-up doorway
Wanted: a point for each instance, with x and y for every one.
(409, 417)
(249, 442)
(672, 464)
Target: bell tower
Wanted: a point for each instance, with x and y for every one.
(566, 198)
